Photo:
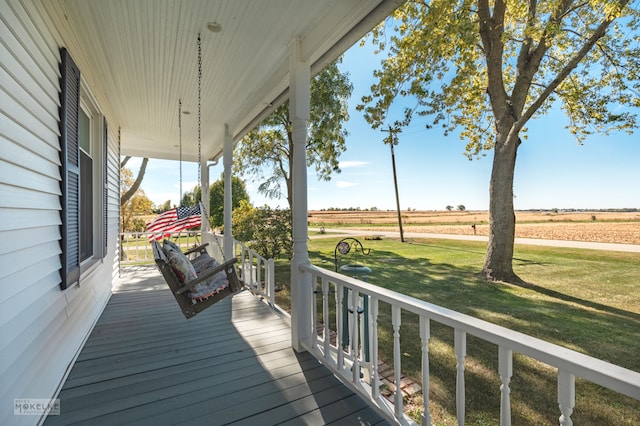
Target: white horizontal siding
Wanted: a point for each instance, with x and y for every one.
(18, 197)
(23, 238)
(13, 219)
(14, 263)
(37, 121)
(14, 174)
(30, 154)
(42, 328)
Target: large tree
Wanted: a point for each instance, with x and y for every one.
(485, 68)
(266, 153)
(239, 195)
(216, 198)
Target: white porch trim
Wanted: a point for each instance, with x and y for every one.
(228, 200)
(205, 195)
(299, 112)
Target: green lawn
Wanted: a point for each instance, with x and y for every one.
(586, 300)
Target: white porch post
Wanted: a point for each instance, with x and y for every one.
(299, 111)
(204, 191)
(227, 162)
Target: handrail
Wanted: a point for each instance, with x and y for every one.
(570, 364)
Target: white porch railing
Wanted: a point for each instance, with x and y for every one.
(257, 272)
(359, 368)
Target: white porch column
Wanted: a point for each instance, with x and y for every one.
(299, 110)
(204, 191)
(227, 162)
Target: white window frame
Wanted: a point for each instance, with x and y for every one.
(89, 105)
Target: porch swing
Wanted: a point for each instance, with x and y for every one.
(200, 281)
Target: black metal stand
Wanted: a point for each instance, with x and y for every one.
(344, 246)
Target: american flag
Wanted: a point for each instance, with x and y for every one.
(174, 220)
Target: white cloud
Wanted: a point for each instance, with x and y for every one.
(187, 185)
(160, 197)
(344, 184)
(349, 164)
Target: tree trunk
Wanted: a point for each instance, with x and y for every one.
(127, 195)
(289, 184)
(498, 265)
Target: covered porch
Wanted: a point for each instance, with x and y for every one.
(144, 363)
(126, 355)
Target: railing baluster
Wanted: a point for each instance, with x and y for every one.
(460, 338)
(325, 317)
(251, 281)
(355, 337)
(339, 326)
(505, 367)
(566, 396)
(314, 311)
(397, 365)
(375, 379)
(259, 275)
(243, 262)
(425, 335)
(271, 272)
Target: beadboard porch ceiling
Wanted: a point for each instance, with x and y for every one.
(142, 57)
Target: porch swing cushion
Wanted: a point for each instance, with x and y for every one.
(181, 266)
(199, 262)
(168, 245)
(212, 289)
(187, 270)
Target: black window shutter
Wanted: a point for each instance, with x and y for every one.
(105, 183)
(70, 159)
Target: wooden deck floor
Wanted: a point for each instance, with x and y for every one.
(144, 363)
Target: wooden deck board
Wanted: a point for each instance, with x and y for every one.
(144, 363)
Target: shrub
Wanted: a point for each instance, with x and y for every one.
(267, 231)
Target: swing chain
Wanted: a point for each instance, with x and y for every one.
(205, 209)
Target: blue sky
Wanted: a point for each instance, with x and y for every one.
(552, 170)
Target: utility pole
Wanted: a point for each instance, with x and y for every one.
(393, 140)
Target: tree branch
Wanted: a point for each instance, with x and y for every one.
(525, 50)
(571, 65)
(491, 30)
(127, 195)
(529, 61)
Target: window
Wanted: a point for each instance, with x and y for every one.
(83, 137)
(86, 187)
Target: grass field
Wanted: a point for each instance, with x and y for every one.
(584, 300)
